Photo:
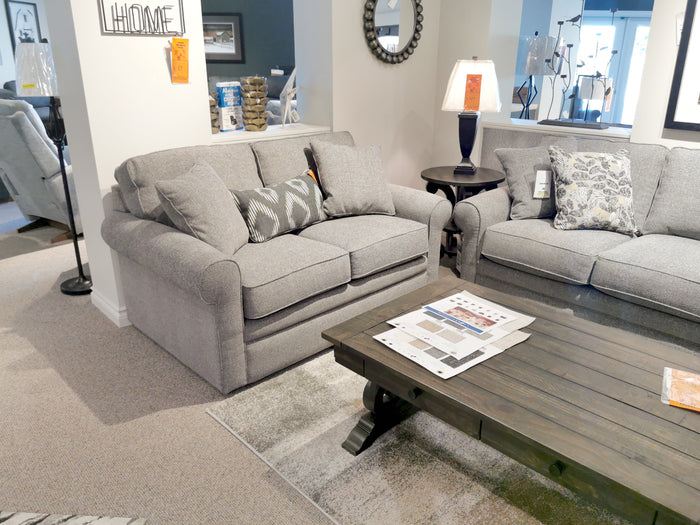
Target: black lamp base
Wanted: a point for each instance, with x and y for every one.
(466, 167)
(77, 286)
(467, 134)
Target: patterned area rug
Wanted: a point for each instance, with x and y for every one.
(422, 471)
(26, 518)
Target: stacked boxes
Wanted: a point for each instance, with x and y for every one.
(230, 110)
(254, 93)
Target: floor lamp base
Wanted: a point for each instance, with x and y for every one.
(77, 286)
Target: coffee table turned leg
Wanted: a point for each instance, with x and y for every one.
(385, 411)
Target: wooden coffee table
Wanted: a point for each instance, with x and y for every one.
(577, 402)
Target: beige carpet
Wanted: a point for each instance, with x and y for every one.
(97, 420)
(422, 471)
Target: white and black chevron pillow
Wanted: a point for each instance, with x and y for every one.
(278, 209)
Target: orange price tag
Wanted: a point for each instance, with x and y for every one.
(472, 93)
(180, 61)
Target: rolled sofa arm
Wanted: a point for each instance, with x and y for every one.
(426, 208)
(473, 216)
(187, 262)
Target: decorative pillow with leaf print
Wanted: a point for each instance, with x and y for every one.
(593, 191)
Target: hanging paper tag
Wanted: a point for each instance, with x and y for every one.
(180, 60)
(543, 183)
(472, 93)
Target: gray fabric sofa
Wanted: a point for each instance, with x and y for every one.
(236, 318)
(649, 283)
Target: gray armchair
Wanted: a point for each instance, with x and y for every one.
(29, 166)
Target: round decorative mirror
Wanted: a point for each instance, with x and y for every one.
(392, 28)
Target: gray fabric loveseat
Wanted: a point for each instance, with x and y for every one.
(648, 281)
(235, 311)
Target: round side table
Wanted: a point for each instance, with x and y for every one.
(443, 178)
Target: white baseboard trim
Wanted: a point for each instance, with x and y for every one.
(114, 313)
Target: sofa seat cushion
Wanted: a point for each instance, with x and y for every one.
(375, 242)
(657, 271)
(535, 246)
(288, 269)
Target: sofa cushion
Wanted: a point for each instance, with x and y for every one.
(286, 270)
(352, 179)
(233, 163)
(200, 205)
(657, 271)
(281, 208)
(646, 162)
(593, 190)
(284, 159)
(375, 242)
(535, 246)
(521, 166)
(675, 207)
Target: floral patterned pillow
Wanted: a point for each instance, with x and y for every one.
(593, 191)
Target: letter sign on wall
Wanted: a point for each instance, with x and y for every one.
(147, 17)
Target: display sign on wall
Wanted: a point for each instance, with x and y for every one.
(147, 17)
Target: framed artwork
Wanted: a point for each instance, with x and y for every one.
(223, 37)
(23, 20)
(684, 101)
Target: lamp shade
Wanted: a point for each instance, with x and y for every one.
(592, 88)
(36, 76)
(539, 48)
(479, 94)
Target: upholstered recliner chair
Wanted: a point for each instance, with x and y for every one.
(29, 166)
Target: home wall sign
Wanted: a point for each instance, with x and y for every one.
(146, 17)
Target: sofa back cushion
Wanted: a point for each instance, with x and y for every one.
(233, 163)
(284, 159)
(646, 162)
(200, 204)
(675, 207)
(494, 138)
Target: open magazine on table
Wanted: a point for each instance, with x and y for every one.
(453, 334)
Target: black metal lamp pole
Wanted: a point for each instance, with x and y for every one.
(82, 284)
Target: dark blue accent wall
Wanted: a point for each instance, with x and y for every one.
(268, 36)
(620, 5)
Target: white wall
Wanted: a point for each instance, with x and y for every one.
(312, 50)
(648, 126)
(386, 104)
(119, 102)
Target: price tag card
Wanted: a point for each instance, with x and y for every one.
(180, 61)
(543, 184)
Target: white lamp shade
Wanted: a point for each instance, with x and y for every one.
(539, 48)
(36, 76)
(489, 100)
(592, 88)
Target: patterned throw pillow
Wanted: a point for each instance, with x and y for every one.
(593, 191)
(284, 207)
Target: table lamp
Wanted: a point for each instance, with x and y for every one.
(36, 77)
(472, 88)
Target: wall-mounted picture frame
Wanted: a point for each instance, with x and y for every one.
(223, 37)
(23, 19)
(684, 101)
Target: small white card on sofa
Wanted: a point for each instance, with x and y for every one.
(543, 184)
